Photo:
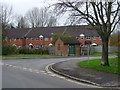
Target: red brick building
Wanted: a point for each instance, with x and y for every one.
(42, 36)
(67, 47)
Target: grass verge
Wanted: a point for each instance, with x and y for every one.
(28, 55)
(95, 64)
(100, 54)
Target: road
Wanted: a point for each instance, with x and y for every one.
(31, 73)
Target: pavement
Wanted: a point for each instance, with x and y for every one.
(69, 69)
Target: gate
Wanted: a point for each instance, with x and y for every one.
(71, 49)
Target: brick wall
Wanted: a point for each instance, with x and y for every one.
(64, 49)
(59, 51)
(20, 41)
(77, 50)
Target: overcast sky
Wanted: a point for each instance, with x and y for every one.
(21, 6)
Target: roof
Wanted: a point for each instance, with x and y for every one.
(49, 31)
(70, 40)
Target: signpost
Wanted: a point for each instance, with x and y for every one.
(88, 43)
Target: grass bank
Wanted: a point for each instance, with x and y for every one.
(28, 55)
(100, 54)
(95, 64)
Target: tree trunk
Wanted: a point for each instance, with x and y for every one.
(104, 61)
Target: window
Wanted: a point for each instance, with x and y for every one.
(41, 46)
(6, 39)
(46, 39)
(51, 39)
(41, 39)
(32, 39)
(27, 39)
(87, 37)
(77, 38)
(14, 39)
(19, 39)
(82, 38)
(10, 40)
(58, 46)
(94, 38)
(37, 39)
(99, 37)
(37, 46)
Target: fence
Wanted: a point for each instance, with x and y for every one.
(97, 50)
(110, 49)
(83, 51)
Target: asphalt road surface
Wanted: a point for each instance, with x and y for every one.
(31, 73)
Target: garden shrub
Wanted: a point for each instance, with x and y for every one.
(24, 51)
(8, 50)
(32, 51)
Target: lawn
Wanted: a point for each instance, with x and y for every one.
(95, 64)
(28, 55)
(100, 54)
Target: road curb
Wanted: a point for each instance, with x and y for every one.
(50, 67)
(71, 77)
(47, 57)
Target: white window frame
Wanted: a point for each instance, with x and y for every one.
(94, 38)
(100, 38)
(41, 38)
(46, 39)
(87, 37)
(32, 39)
(27, 39)
(37, 39)
(51, 39)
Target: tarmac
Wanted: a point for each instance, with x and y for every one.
(70, 70)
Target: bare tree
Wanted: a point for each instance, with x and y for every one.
(102, 15)
(40, 17)
(6, 13)
(21, 22)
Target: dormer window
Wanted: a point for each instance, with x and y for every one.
(82, 35)
(41, 37)
(52, 33)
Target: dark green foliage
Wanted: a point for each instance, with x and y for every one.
(59, 35)
(8, 50)
(24, 51)
(32, 51)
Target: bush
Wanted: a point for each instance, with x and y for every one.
(32, 51)
(8, 50)
(24, 51)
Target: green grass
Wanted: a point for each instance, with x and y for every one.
(28, 55)
(100, 54)
(95, 64)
